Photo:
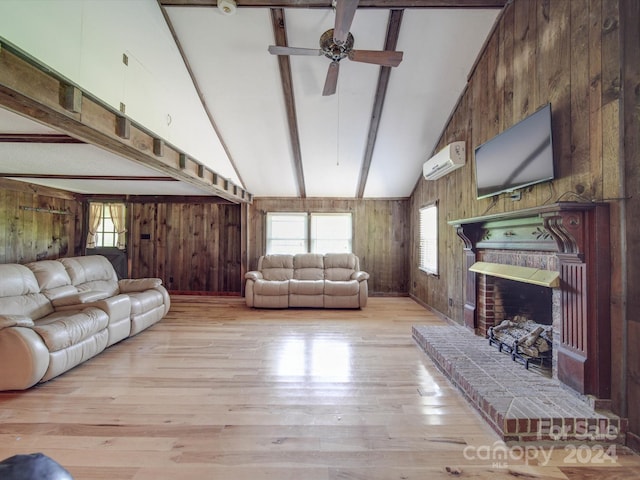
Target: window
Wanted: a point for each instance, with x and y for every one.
(309, 232)
(286, 232)
(106, 225)
(428, 255)
(330, 233)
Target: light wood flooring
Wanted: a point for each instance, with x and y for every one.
(217, 390)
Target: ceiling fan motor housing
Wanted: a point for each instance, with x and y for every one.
(333, 50)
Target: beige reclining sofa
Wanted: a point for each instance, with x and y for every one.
(55, 314)
(332, 280)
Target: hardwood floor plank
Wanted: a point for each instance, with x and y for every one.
(217, 390)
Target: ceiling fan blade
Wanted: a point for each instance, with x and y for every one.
(331, 81)
(278, 50)
(386, 58)
(345, 10)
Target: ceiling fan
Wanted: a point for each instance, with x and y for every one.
(337, 43)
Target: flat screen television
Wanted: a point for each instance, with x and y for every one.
(520, 156)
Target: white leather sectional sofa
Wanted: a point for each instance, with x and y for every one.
(56, 314)
(333, 280)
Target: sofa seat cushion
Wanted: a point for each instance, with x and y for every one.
(341, 288)
(271, 287)
(145, 301)
(306, 287)
(63, 329)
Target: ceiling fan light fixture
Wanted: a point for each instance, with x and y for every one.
(331, 49)
(227, 7)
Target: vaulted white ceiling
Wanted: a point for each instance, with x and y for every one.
(205, 82)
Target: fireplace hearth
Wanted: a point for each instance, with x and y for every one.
(558, 251)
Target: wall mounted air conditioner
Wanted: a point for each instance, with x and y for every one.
(445, 161)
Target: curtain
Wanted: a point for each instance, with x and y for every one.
(117, 212)
(95, 216)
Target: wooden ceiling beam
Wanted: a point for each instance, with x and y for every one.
(37, 138)
(391, 41)
(387, 4)
(32, 90)
(280, 34)
(89, 177)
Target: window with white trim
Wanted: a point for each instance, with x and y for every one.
(286, 232)
(331, 233)
(428, 244)
(289, 232)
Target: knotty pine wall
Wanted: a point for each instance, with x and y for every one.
(31, 225)
(567, 53)
(193, 247)
(380, 235)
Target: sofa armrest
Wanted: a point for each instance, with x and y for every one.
(253, 275)
(79, 299)
(129, 285)
(360, 276)
(8, 321)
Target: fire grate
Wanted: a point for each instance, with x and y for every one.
(525, 341)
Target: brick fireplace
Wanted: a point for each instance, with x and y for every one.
(562, 248)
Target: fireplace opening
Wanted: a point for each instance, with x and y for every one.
(512, 299)
(522, 323)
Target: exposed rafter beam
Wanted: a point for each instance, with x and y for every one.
(32, 90)
(37, 138)
(393, 32)
(399, 4)
(280, 34)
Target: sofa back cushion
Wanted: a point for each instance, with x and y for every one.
(53, 279)
(276, 267)
(340, 266)
(20, 293)
(93, 272)
(308, 266)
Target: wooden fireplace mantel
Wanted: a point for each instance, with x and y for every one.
(578, 235)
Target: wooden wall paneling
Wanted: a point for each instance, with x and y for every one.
(197, 251)
(172, 259)
(580, 90)
(523, 32)
(4, 225)
(594, 188)
(16, 232)
(554, 28)
(398, 256)
(234, 276)
(133, 237)
(630, 12)
(148, 232)
(32, 225)
(192, 246)
(214, 249)
(612, 178)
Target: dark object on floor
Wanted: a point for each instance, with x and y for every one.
(35, 466)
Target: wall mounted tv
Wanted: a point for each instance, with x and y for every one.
(520, 156)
